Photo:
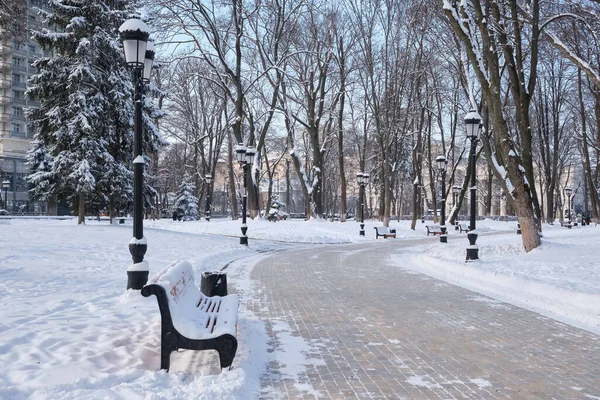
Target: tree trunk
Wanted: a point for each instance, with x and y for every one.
(81, 219)
(232, 193)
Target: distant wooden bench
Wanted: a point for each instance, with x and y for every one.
(566, 224)
(433, 229)
(191, 320)
(385, 232)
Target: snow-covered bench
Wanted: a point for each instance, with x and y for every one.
(385, 232)
(566, 223)
(463, 228)
(191, 320)
(433, 229)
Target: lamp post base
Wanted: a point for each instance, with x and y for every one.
(443, 238)
(136, 280)
(473, 249)
(362, 230)
(244, 240)
(472, 253)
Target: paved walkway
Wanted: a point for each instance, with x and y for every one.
(379, 332)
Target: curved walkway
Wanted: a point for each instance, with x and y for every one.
(375, 331)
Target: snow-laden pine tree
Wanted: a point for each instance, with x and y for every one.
(84, 126)
(186, 204)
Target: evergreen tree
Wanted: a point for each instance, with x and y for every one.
(84, 126)
(276, 212)
(186, 204)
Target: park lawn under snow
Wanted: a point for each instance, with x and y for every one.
(69, 330)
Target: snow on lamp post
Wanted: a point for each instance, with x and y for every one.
(208, 181)
(473, 126)
(363, 180)
(442, 163)
(5, 186)
(138, 56)
(569, 191)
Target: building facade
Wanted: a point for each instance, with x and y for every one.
(16, 66)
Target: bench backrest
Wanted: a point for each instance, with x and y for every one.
(434, 227)
(192, 313)
(382, 229)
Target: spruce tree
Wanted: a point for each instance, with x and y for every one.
(84, 126)
(186, 204)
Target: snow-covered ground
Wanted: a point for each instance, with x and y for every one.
(69, 330)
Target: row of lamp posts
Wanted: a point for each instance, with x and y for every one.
(139, 55)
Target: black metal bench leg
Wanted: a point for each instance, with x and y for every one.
(227, 349)
(167, 345)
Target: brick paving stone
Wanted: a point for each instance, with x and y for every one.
(376, 331)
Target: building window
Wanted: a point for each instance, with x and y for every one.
(16, 128)
(18, 111)
(17, 61)
(17, 95)
(16, 78)
(32, 48)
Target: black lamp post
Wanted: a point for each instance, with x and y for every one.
(245, 156)
(473, 125)
(5, 186)
(207, 211)
(442, 164)
(569, 191)
(139, 55)
(363, 180)
(455, 192)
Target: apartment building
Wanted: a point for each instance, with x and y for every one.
(16, 65)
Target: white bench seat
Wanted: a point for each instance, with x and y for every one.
(385, 232)
(191, 320)
(433, 229)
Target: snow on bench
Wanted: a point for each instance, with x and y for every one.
(191, 320)
(433, 229)
(463, 228)
(384, 231)
(565, 223)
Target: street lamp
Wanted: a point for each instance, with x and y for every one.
(568, 191)
(442, 164)
(208, 181)
(245, 156)
(138, 56)
(363, 180)
(5, 186)
(473, 125)
(455, 192)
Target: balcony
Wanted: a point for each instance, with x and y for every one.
(5, 117)
(20, 52)
(33, 103)
(19, 68)
(21, 85)
(5, 100)
(17, 101)
(18, 118)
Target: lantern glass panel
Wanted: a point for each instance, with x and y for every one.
(250, 155)
(366, 178)
(240, 153)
